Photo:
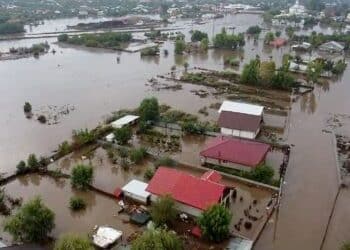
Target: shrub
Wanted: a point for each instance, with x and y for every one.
(165, 161)
(81, 176)
(64, 148)
(180, 46)
(149, 109)
(73, 242)
(21, 168)
(32, 162)
(32, 223)
(123, 135)
(262, 174)
(252, 30)
(198, 36)
(137, 155)
(77, 203)
(149, 174)
(159, 239)
(62, 38)
(163, 210)
(215, 223)
(27, 108)
(42, 118)
(82, 136)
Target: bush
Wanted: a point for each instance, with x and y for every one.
(149, 174)
(27, 108)
(42, 118)
(32, 162)
(32, 223)
(73, 242)
(123, 135)
(11, 28)
(262, 174)
(157, 240)
(137, 155)
(345, 246)
(228, 41)
(82, 136)
(180, 46)
(252, 30)
(81, 176)
(149, 109)
(64, 148)
(198, 36)
(163, 210)
(77, 203)
(215, 223)
(165, 161)
(21, 168)
(62, 38)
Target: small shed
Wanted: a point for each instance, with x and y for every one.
(125, 120)
(332, 47)
(136, 190)
(110, 137)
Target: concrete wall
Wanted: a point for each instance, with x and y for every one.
(240, 133)
(135, 197)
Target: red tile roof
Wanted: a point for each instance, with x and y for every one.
(185, 188)
(278, 42)
(239, 121)
(244, 152)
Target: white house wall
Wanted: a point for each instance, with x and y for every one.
(239, 133)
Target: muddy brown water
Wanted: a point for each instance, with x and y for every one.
(96, 84)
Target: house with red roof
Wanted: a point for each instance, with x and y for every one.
(240, 119)
(192, 194)
(278, 42)
(235, 153)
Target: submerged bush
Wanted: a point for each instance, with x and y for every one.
(137, 155)
(77, 203)
(165, 161)
(73, 242)
(81, 176)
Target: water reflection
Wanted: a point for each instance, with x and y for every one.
(308, 103)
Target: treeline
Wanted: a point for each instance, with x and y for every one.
(11, 28)
(224, 40)
(265, 74)
(34, 49)
(109, 40)
(316, 39)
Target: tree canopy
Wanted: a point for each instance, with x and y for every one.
(180, 46)
(157, 240)
(32, 223)
(198, 36)
(123, 135)
(252, 30)
(228, 41)
(82, 176)
(149, 109)
(215, 223)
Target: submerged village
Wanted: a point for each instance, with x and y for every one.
(174, 125)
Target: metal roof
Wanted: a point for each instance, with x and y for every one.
(239, 107)
(137, 187)
(124, 121)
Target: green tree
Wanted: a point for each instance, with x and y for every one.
(204, 44)
(21, 168)
(157, 240)
(278, 33)
(73, 242)
(32, 162)
(314, 71)
(64, 148)
(290, 31)
(62, 38)
(252, 30)
(149, 109)
(32, 223)
(263, 174)
(215, 223)
(163, 210)
(27, 108)
(77, 203)
(198, 36)
(180, 46)
(138, 154)
(250, 73)
(228, 41)
(267, 71)
(123, 135)
(186, 65)
(81, 176)
(269, 37)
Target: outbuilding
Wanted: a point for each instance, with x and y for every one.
(235, 153)
(240, 119)
(331, 47)
(136, 190)
(124, 121)
(191, 194)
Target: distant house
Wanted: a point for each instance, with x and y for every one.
(301, 47)
(278, 42)
(125, 120)
(240, 119)
(331, 47)
(235, 153)
(192, 194)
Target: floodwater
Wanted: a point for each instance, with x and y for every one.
(100, 210)
(95, 84)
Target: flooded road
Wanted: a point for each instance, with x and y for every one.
(95, 84)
